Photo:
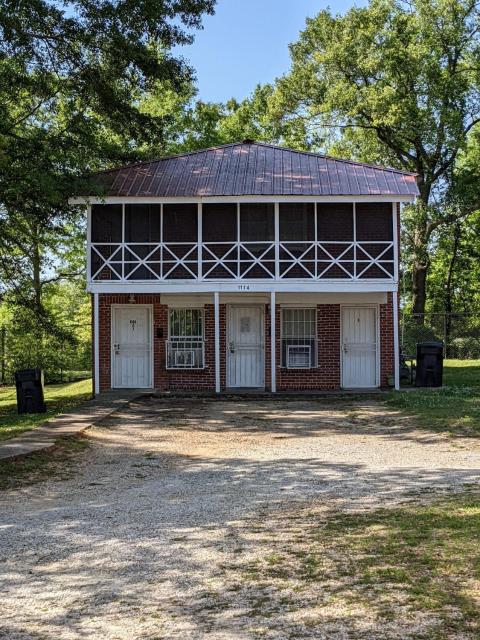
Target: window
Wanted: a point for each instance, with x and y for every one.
(299, 338)
(185, 339)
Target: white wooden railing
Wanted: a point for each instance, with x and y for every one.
(220, 261)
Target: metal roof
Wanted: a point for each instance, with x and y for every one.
(253, 168)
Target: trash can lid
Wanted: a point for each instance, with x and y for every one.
(432, 343)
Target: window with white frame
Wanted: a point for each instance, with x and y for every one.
(299, 338)
(185, 346)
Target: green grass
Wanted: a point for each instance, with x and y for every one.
(414, 567)
(455, 408)
(58, 462)
(59, 398)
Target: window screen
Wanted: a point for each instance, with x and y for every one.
(219, 223)
(374, 221)
(185, 343)
(297, 221)
(334, 221)
(257, 222)
(180, 223)
(299, 338)
(142, 223)
(106, 223)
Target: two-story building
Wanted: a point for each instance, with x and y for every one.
(246, 266)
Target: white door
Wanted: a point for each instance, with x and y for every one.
(131, 347)
(359, 347)
(245, 347)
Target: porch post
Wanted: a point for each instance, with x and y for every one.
(273, 342)
(396, 345)
(396, 261)
(216, 300)
(96, 344)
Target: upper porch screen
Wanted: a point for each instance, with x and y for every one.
(225, 241)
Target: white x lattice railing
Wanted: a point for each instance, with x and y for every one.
(302, 260)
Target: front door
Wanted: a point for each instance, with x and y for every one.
(359, 347)
(131, 347)
(245, 347)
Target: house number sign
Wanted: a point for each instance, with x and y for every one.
(244, 287)
(132, 324)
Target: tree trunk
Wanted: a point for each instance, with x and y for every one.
(421, 260)
(448, 288)
(419, 287)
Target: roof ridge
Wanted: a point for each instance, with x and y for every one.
(328, 157)
(263, 144)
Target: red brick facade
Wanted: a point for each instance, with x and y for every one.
(327, 375)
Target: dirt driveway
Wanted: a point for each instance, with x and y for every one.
(144, 540)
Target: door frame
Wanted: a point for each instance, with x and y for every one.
(262, 343)
(113, 309)
(376, 307)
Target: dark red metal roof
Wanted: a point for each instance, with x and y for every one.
(253, 168)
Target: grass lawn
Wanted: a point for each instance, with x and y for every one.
(410, 571)
(58, 397)
(454, 408)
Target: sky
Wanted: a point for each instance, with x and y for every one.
(246, 43)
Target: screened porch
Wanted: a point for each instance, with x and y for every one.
(304, 241)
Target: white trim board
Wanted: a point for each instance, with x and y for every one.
(233, 199)
(249, 287)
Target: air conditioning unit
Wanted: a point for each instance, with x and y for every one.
(299, 356)
(184, 358)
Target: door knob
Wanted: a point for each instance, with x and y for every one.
(231, 347)
(345, 348)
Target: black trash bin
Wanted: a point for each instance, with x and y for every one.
(429, 370)
(29, 384)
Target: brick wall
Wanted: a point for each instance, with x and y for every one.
(386, 340)
(325, 376)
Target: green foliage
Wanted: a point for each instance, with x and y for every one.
(394, 82)
(72, 82)
(58, 397)
(61, 344)
(454, 409)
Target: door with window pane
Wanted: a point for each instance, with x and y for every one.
(245, 347)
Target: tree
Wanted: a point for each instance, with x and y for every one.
(72, 78)
(405, 76)
(71, 82)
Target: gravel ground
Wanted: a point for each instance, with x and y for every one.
(137, 543)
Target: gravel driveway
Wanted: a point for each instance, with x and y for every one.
(135, 544)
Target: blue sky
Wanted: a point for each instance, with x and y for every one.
(246, 42)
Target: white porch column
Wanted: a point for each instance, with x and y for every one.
(396, 258)
(216, 301)
(96, 343)
(396, 344)
(273, 341)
